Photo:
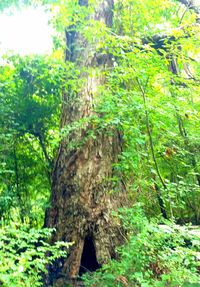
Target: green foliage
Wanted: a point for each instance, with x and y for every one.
(139, 18)
(150, 97)
(24, 255)
(155, 108)
(34, 92)
(154, 255)
(30, 98)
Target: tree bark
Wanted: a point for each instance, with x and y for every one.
(82, 191)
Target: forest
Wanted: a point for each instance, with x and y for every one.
(100, 147)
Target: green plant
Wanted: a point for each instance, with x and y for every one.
(24, 255)
(154, 255)
(30, 98)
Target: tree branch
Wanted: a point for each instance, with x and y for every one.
(193, 5)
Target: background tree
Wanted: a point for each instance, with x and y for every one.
(30, 99)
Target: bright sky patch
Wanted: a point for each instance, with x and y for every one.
(26, 32)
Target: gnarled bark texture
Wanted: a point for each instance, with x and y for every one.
(82, 201)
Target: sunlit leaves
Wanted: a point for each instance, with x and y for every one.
(24, 255)
(30, 98)
(143, 97)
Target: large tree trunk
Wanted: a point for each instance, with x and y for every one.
(82, 193)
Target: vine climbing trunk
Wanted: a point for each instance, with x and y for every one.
(82, 191)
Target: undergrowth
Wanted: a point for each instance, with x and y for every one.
(24, 255)
(155, 255)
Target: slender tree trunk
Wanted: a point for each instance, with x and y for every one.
(82, 199)
(158, 192)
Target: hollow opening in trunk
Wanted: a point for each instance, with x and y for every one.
(88, 260)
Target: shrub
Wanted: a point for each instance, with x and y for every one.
(154, 255)
(23, 256)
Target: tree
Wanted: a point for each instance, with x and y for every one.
(129, 125)
(30, 97)
(84, 191)
(83, 195)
